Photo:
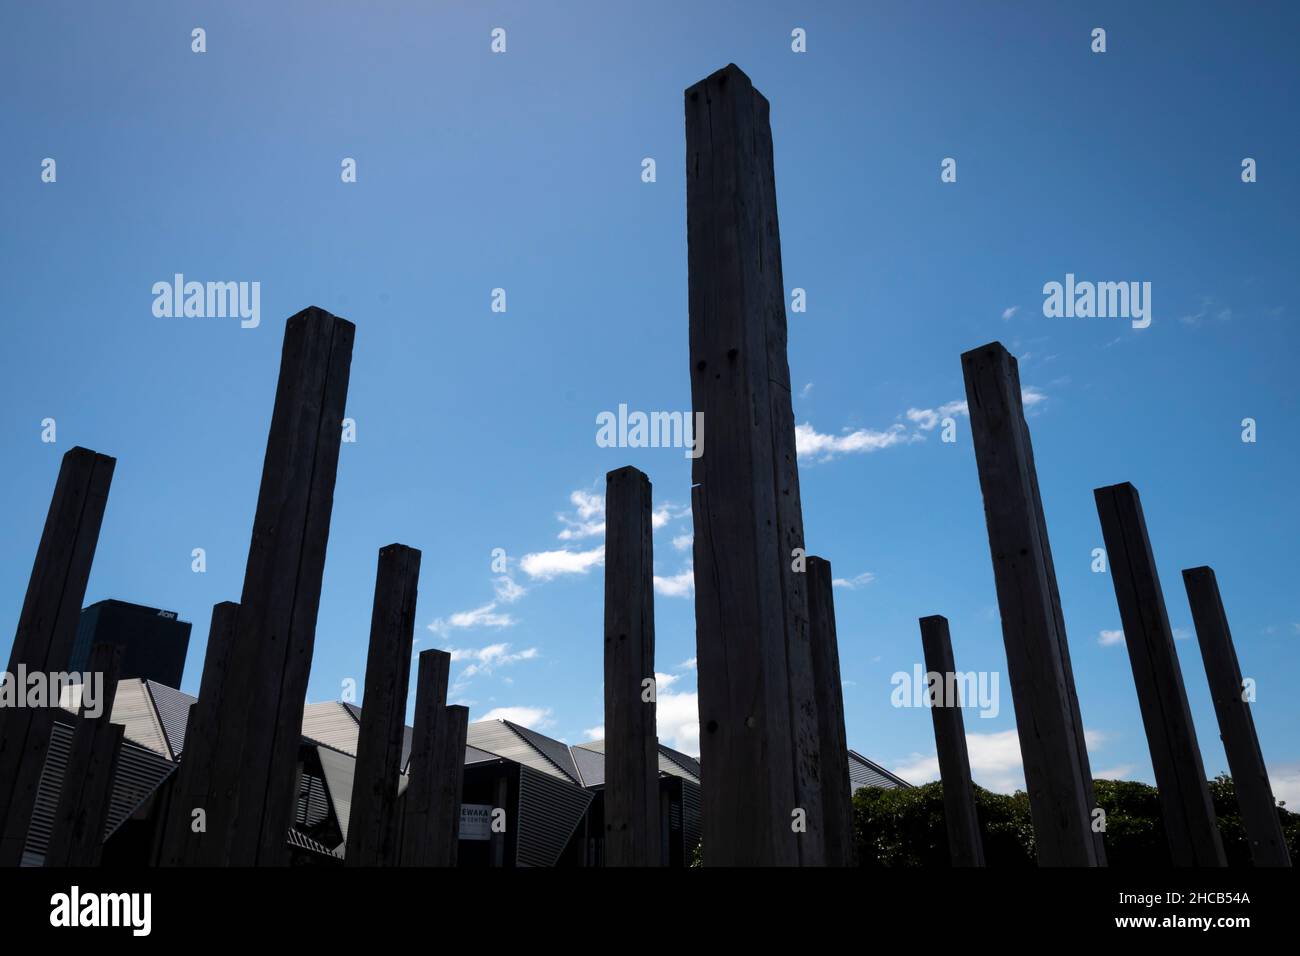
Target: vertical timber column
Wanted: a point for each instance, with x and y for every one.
(1185, 802)
(631, 747)
(964, 843)
(47, 627)
(180, 846)
(451, 781)
(423, 842)
(837, 797)
(1033, 629)
(77, 831)
(758, 712)
(372, 833)
(255, 764)
(1236, 724)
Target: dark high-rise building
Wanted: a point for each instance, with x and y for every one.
(154, 642)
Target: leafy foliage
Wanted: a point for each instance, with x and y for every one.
(905, 827)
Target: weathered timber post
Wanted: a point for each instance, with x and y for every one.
(47, 627)
(758, 712)
(964, 842)
(1185, 803)
(372, 833)
(631, 747)
(431, 823)
(190, 794)
(1033, 629)
(254, 765)
(837, 798)
(77, 833)
(1259, 813)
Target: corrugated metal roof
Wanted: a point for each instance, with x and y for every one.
(474, 755)
(553, 750)
(590, 759)
(301, 840)
(591, 766)
(331, 723)
(173, 709)
(679, 764)
(134, 709)
(868, 773)
(549, 811)
(499, 737)
(339, 770)
(407, 734)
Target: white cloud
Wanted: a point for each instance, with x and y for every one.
(678, 585)
(664, 681)
(995, 761)
(688, 664)
(806, 390)
(866, 577)
(507, 591)
(1286, 784)
(593, 733)
(1182, 634)
(534, 718)
(927, 419)
(810, 443)
(590, 521)
(1107, 638)
(683, 542)
(484, 659)
(1030, 396)
(485, 616)
(545, 565)
(678, 720)
(1120, 772)
(1008, 313)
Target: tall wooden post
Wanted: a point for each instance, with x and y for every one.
(837, 798)
(47, 627)
(631, 747)
(1033, 628)
(77, 833)
(1185, 802)
(1259, 813)
(432, 818)
(372, 832)
(758, 712)
(194, 780)
(964, 843)
(255, 761)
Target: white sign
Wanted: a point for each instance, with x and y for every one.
(475, 821)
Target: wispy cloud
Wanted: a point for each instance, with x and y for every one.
(545, 565)
(927, 419)
(1107, 638)
(806, 390)
(485, 616)
(588, 519)
(1007, 313)
(810, 443)
(678, 585)
(484, 660)
(683, 542)
(534, 718)
(852, 584)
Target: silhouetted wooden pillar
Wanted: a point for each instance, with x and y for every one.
(1185, 803)
(431, 824)
(837, 797)
(372, 832)
(190, 792)
(631, 747)
(47, 627)
(758, 723)
(255, 761)
(77, 831)
(1057, 773)
(962, 822)
(1259, 813)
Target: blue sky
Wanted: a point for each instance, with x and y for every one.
(476, 430)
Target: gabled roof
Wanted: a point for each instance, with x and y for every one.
(868, 773)
(673, 763)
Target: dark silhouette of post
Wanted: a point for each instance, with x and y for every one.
(372, 832)
(47, 627)
(255, 762)
(1259, 813)
(1185, 803)
(963, 825)
(631, 747)
(1033, 629)
(431, 821)
(187, 807)
(837, 797)
(758, 712)
(77, 832)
